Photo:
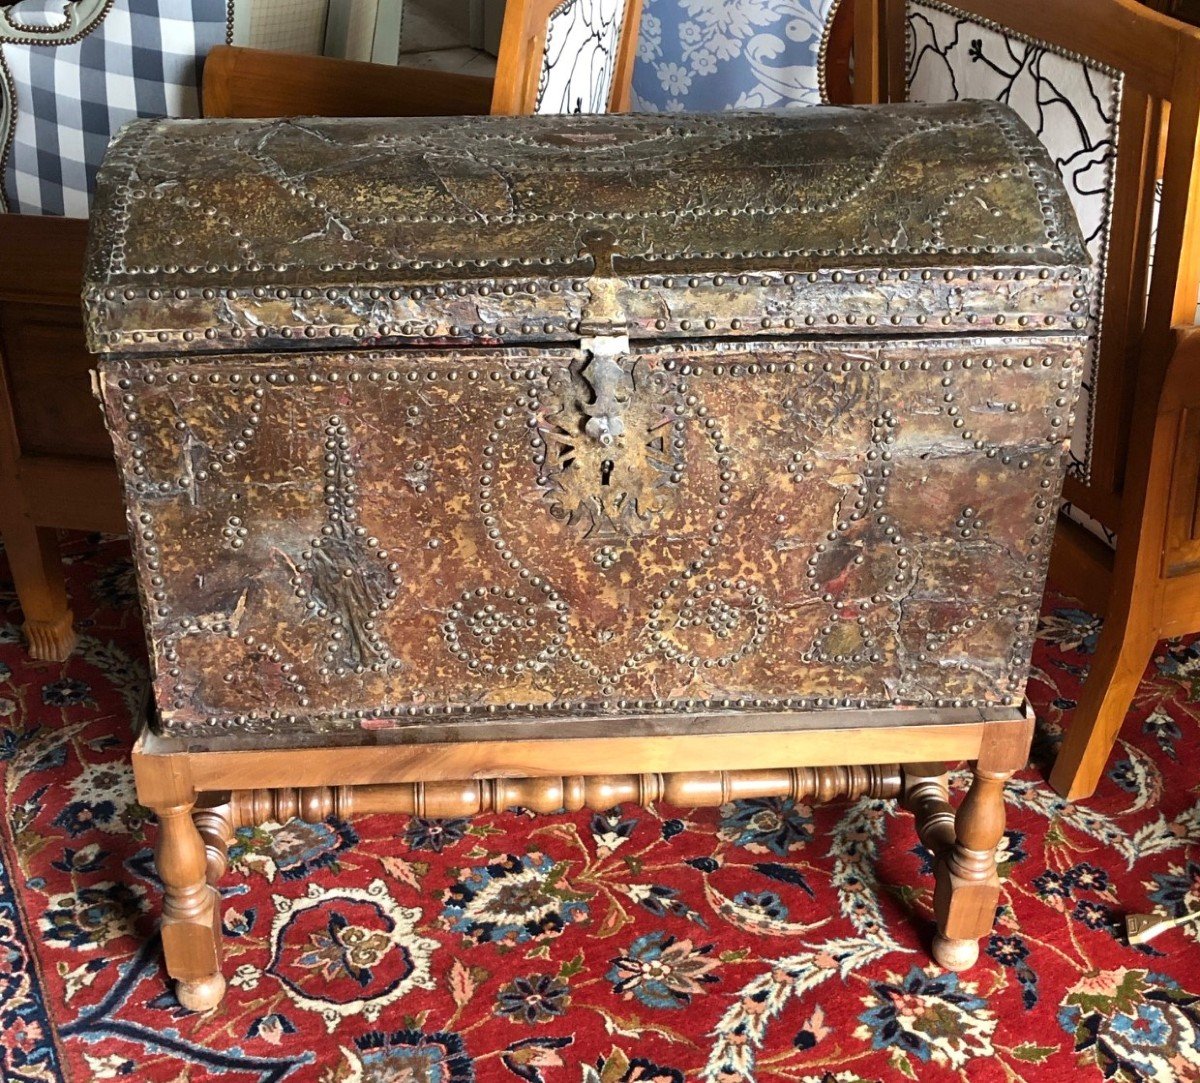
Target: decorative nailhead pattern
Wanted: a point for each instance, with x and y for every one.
(937, 295)
(423, 286)
(519, 622)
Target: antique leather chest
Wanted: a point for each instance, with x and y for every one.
(567, 461)
(595, 417)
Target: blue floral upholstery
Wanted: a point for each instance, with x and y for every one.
(707, 55)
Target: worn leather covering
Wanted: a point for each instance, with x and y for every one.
(254, 234)
(592, 418)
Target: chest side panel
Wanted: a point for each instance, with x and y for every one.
(368, 539)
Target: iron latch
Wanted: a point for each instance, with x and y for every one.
(604, 339)
(610, 383)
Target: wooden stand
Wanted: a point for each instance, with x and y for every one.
(202, 796)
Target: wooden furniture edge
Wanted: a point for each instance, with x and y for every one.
(34, 250)
(620, 98)
(169, 774)
(519, 56)
(72, 493)
(1081, 565)
(1147, 604)
(243, 82)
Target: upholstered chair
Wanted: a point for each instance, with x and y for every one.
(1112, 88)
(71, 74)
(74, 73)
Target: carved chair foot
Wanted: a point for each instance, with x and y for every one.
(955, 954)
(201, 995)
(51, 640)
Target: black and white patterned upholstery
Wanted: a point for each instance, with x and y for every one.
(1071, 103)
(71, 74)
(580, 56)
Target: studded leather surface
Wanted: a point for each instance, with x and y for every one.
(390, 457)
(333, 540)
(262, 234)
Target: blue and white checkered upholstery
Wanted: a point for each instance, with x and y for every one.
(74, 73)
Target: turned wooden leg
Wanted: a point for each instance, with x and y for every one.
(926, 791)
(967, 885)
(964, 842)
(213, 816)
(191, 922)
(38, 578)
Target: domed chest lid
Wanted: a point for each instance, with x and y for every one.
(260, 235)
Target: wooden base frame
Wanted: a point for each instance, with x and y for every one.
(201, 796)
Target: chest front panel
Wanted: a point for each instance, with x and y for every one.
(330, 540)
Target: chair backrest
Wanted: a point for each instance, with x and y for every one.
(1113, 90)
(735, 54)
(72, 73)
(566, 56)
(556, 56)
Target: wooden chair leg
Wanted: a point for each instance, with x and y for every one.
(37, 575)
(967, 884)
(1122, 654)
(1157, 505)
(191, 922)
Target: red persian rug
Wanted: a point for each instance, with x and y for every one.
(762, 941)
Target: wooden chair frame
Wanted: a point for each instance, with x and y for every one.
(56, 466)
(241, 82)
(519, 61)
(1146, 448)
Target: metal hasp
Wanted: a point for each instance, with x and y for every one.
(604, 339)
